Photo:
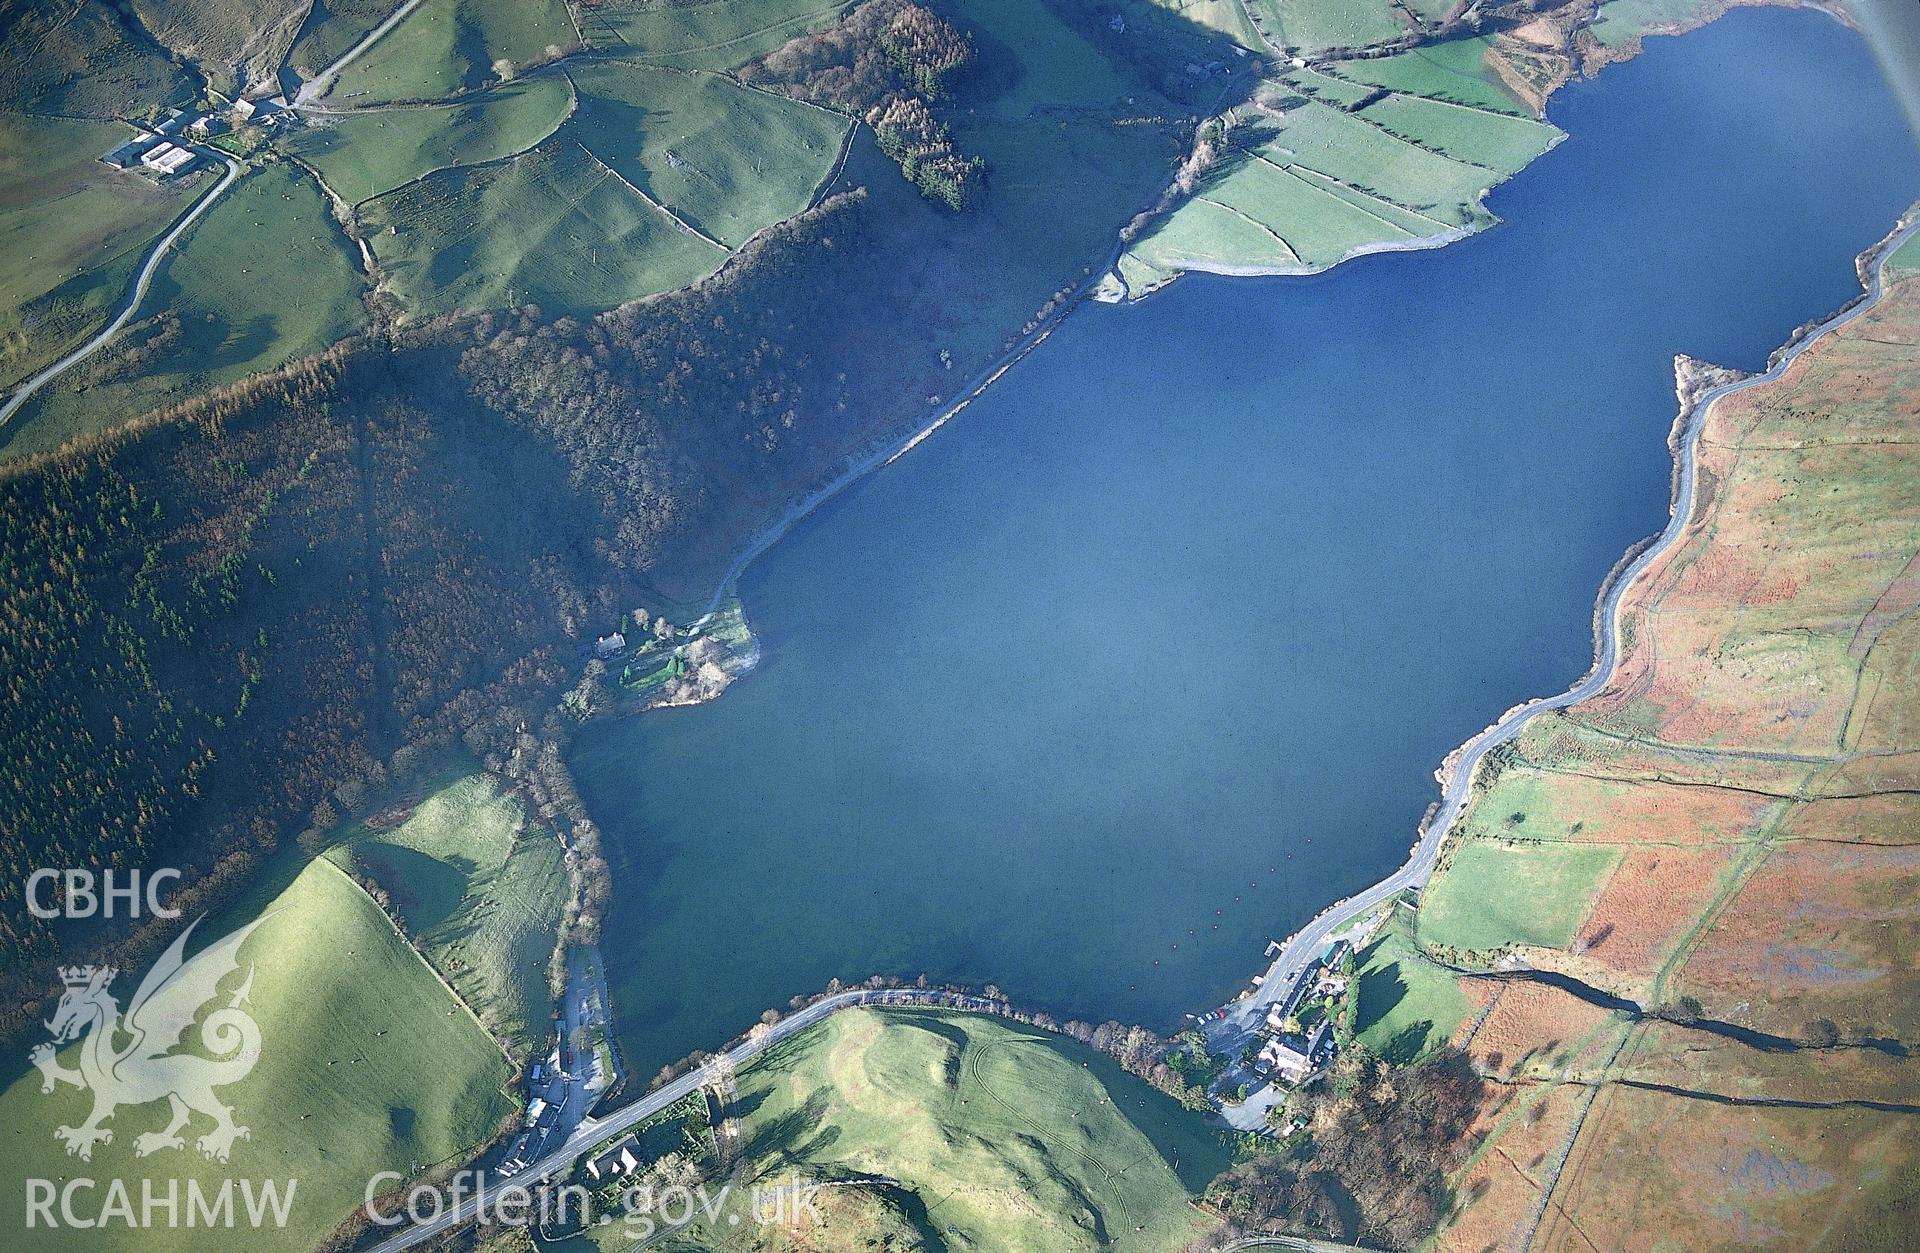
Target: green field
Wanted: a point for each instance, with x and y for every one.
(481, 892)
(362, 155)
(366, 1064)
(1493, 894)
(1319, 183)
(1312, 26)
(1497, 141)
(263, 279)
(1906, 258)
(647, 187)
(1455, 70)
(1223, 17)
(449, 46)
(724, 158)
(1620, 22)
(331, 30)
(1001, 1136)
(1406, 1006)
(553, 227)
(72, 231)
(1067, 71)
(715, 35)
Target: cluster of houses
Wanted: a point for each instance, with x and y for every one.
(162, 151)
(1299, 1026)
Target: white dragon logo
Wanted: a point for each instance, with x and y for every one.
(168, 1001)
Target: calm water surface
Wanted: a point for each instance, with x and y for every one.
(1154, 651)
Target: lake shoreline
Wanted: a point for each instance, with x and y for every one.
(887, 449)
(1459, 771)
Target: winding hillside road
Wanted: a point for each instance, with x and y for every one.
(1243, 1017)
(26, 390)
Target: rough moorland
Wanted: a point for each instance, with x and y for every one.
(1748, 784)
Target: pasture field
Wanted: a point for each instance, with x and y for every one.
(481, 892)
(264, 278)
(366, 1064)
(251, 34)
(1455, 71)
(1406, 1006)
(1320, 183)
(331, 30)
(724, 158)
(1620, 22)
(709, 35)
(74, 58)
(553, 226)
(1492, 894)
(1000, 1136)
(1906, 258)
(1313, 26)
(72, 231)
(1341, 146)
(367, 154)
(1223, 17)
(1058, 67)
(1324, 86)
(648, 186)
(1498, 141)
(449, 46)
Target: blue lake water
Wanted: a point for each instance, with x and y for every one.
(1153, 652)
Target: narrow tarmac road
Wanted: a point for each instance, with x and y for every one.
(25, 391)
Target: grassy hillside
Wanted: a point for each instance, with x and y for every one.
(649, 184)
(72, 231)
(80, 59)
(479, 890)
(553, 227)
(1748, 783)
(709, 35)
(1308, 27)
(725, 160)
(331, 30)
(449, 46)
(367, 154)
(366, 1063)
(999, 1136)
(237, 42)
(264, 278)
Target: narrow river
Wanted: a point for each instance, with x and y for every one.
(1152, 653)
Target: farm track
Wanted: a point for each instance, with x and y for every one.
(321, 83)
(25, 391)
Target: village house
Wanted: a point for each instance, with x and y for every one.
(617, 1162)
(1291, 1059)
(608, 645)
